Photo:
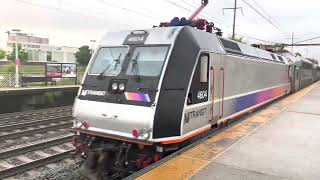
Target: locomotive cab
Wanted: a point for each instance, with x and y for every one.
(119, 91)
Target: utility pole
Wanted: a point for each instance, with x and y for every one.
(17, 61)
(234, 19)
(92, 44)
(292, 42)
(235, 8)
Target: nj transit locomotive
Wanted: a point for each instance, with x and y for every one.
(149, 92)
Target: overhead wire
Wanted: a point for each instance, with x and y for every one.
(263, 16)
(250, 37)
(194, 6)
(264, 11)
(56, 9)
(129, 10)
(208, 17)
(307, 40)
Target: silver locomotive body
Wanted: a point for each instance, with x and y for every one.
(199, 79)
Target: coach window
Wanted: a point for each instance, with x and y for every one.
(198, 92)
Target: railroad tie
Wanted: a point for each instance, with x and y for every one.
(24, 159)
(69, 145)
(6, 165)
(56, 148)
(41, 153)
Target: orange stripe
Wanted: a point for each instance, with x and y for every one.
(185, 138)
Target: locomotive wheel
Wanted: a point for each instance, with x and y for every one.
(103, 166)
(97, 165)
(91, 165)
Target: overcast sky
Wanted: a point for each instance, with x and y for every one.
(76, 22)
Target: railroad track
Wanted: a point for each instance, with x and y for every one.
(22, 116)
(40, 117)
(28, 163)
(22, 124)
(14, 160)
(31, 131)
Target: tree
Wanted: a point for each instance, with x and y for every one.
(23, 55)
(2, 54)
(238, 39)
(83, 55)
(280, 48)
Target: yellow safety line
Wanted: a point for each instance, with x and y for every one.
(198, 157)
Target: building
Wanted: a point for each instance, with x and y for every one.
(39, 49)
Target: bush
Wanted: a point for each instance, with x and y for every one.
(11, 68)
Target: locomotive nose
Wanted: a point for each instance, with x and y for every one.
(117, 119)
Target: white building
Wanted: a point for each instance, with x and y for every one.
(39, 49)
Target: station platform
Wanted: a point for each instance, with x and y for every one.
(279, 142)
(35, 90)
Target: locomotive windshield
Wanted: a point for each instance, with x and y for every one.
(109, 61)
(144, 61)
(147, 61)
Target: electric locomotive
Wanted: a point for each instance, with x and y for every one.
(149, 92)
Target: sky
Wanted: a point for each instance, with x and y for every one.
(76, 22)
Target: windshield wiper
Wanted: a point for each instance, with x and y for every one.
(135, 67)
(117, 60)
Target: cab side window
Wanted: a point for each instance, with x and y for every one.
(198, 92)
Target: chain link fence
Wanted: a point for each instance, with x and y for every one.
(8, 80)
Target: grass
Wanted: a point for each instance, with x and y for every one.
(3, 69)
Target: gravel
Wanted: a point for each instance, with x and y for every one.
(33, 155)
(49, 151)
(14, 161)
(63, 146)
(65, 171)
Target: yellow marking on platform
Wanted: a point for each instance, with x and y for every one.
(196, 158)
(176, 169)
(203, 152)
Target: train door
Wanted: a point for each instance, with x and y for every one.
(216, 87)
(296, 78)
(198, 108)
(291, 77)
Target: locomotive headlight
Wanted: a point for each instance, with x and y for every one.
(121, 87)
(114, 86)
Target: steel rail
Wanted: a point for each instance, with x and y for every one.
(16, 125)
(31, 115)
(33, 146)
(36, 130)
(34, 164)
(34, 111)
